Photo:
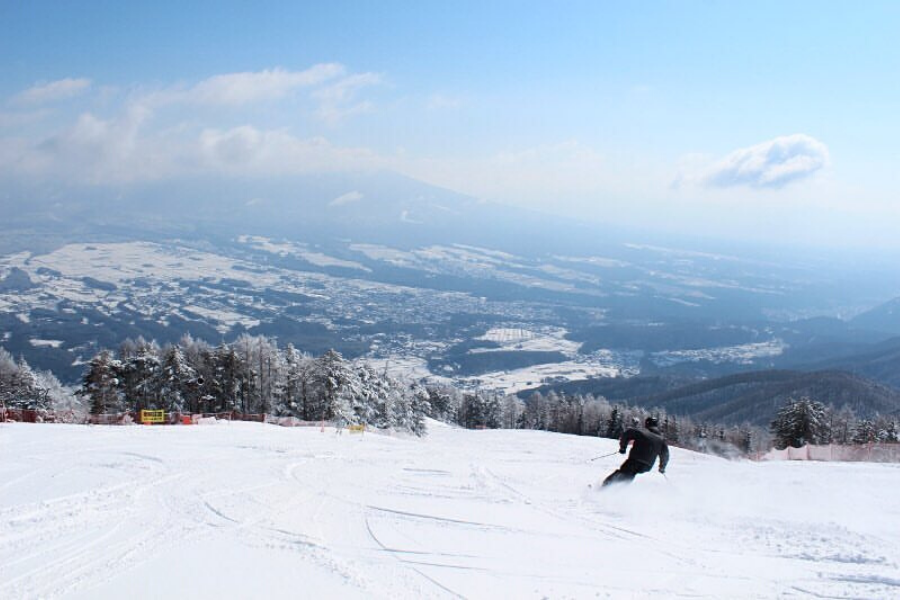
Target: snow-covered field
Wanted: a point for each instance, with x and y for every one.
(241, 510)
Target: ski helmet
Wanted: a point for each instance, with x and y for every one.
(651, 422)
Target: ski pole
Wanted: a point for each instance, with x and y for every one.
(603, 456)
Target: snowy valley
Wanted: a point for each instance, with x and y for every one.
(457, 313)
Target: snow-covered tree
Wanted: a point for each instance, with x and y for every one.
(595, 413)
(670, 429)
(227, 383)
(8, 371)
(177, 381)
(140, 374)
(886, 430)
(338, 385)
(373, 388)
(800, 422)
(537, 412)
(482, 409)
(865, 432)
(100, 384)
(443, 403)
(21, 387)
(60, 398)
(247, 349)
(290, 397)
(512, 409)
(615, 425)
(408, 407)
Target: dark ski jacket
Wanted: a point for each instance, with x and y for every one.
(648, 444)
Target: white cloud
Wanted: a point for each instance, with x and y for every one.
(333, 90)
(247, 150)
(237, 89)
(771, 164)
(125, 149)
(338, 100)
(52, 91)
(143, 143)
(91, 150)
(347, 198)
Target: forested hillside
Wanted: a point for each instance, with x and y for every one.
(752, 397)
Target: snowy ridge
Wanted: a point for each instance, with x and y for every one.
(249, 510)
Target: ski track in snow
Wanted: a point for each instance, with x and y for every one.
(242, 510)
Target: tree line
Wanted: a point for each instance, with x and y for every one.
(22, 387)
(250, 375)
(586, 414)
(806, 421)
(253, 375)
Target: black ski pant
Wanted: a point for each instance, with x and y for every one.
(626, 473)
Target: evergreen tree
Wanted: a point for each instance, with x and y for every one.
(440, 402)
(800, 422)
(419, 410)
(482, 409)
(140, 374)
(176, 377)
(290, 402)
(100, 384)
(887, 431)
(226, 383)
(27, 393)
(338, 386)
(865, 432)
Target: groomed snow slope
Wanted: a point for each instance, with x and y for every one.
(241, 510)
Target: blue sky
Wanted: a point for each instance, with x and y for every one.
(763, 121)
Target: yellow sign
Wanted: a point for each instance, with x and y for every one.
(153, 416)
(361, 428)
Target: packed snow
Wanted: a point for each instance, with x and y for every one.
(45, 343)
(597, 365)
(546, 339)
(743, 354)
(245, 510)
(299, 250)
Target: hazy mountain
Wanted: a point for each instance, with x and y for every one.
(366, 206)
(885, 317)
(880, 362)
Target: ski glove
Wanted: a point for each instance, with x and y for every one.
(662, 470)
(621, 450)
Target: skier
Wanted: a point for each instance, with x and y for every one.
(648, 445)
